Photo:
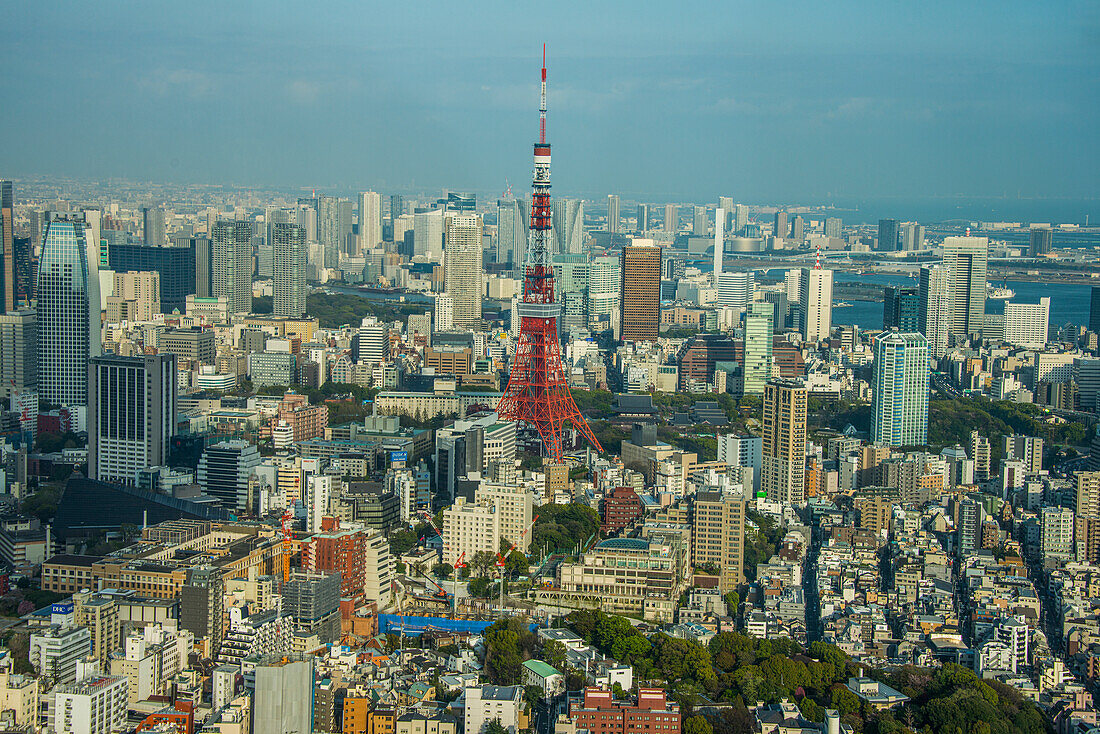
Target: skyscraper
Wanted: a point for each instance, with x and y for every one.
(887, 235)
(901, 309)
(781, 227)
(428, 234)
(815, 301)
(899, 401)
(740, 218)
(370, 220)
(672, 218)
(397, 206)
(912, 237)
(176, 264)
(640, 292)
(798, 228)
(604, 284)
(153, 230)
(567, 226)
(462, 272)
(933, 302)
(67, 335)
(18, 351)
(699, 221)
(131, 414)
(757, 369)
(1041, 240)
(643, 218)
(7, 244)
(328, 230)
(784, 444)
(224, 470)
(231, 264)
(719, 243)
(965, 259)
(833, 227)
(509, 226)
(289, 241)
(736, 288)
(612, 213)
(717, 534)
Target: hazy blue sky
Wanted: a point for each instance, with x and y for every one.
(769, 101)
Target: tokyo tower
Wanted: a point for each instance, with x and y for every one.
(537, 392)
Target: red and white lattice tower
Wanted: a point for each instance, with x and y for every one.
(537, 392)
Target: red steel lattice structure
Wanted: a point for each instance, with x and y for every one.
(538, 393)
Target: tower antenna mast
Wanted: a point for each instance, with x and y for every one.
(538, 392)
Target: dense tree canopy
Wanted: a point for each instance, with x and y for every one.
(562, 527)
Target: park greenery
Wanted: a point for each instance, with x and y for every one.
(740, 670)
(333, 310)
(559, 528)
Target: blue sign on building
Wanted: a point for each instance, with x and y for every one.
(396, 456)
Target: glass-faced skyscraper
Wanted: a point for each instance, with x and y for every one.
(65, 339)
(899, 403)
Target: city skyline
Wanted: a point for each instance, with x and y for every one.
(842, 108)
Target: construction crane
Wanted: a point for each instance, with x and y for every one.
(503, 557)
(287, 543)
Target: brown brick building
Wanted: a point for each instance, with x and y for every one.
(650, 713)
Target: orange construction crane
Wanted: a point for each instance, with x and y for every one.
(287, 543)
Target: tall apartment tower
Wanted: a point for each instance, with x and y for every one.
(965, 259)
(289, 241)
(833, 227)
(643, 219)
(1088, 517)
(718, 535)
(815, 300)
(934, 308)
(462, 271)
(7, 244)
(757, 369)
(397, 206)
(370, 221)
(613, 219)
(18, 351)
(567, 224)
(899, 407)
(699, 221)
(328, 230)
(153, 230)
(231, 264)
(888, 232)
(781, 227)
(67, 297)
(1042, 238)
(640, 292)
(740, 218)
(784, 444)
(131, 414)
(672, 218)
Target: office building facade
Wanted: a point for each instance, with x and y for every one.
(224, 471)
(965, 259)
(370, 220)
(757, 367)
(613, 217)
(888, 234)
(901, 308)
(67, 297)
(7, 245)
(174, 265)
(815, 300)
(18, 351)
(640, 292)
(131, 414)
